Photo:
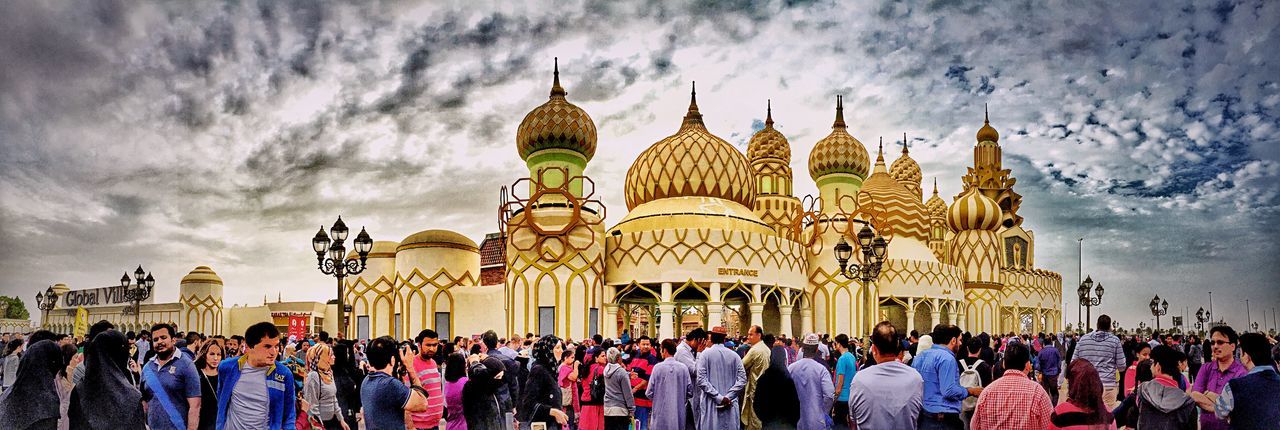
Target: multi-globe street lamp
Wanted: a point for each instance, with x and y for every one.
(873, 248)
(1159, 308)
(46, 301)
(1201, 317)
(1088, 299)
(337, 264)
(138, 292)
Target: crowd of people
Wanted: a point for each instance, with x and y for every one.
(706, 380)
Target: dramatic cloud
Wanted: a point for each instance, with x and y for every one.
(175, 135)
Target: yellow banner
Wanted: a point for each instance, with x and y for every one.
(82, 322)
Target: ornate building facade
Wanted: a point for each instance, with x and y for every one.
(714, 235)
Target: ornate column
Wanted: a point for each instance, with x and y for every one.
(937, 312)
(785, 311)
(666, 313)
(609, 324)
(715, 307)
(806, 321)
(911, 315)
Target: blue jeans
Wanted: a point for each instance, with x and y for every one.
(642, 414)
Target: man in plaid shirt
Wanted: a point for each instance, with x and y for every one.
(1014, 401)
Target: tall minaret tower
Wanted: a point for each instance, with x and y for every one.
(770, 157)
(555, 234)
(839, 163)
(990, 177)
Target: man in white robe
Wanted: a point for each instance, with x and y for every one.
(721, 379)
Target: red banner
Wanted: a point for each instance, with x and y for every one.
(297, 326)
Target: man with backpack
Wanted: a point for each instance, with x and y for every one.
(975, 372)
(1050, 366)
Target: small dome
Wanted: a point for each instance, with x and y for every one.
(839, 152)
(557, 124)
(437, 238)
(936, 207)
(987, 133)
(201, 275)
(60, 288)
(894, 206)
(692, 162)
(769, 142)
(974, 211)
(905, 169)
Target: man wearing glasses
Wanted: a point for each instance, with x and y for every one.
(1214, 376)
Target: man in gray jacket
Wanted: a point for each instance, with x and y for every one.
(619, 402)
(1106, 353)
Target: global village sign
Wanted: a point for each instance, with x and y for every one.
(95, 297)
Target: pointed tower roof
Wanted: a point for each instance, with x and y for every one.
(556, 124)
(839, 152)
(987, 133)
(769, 142)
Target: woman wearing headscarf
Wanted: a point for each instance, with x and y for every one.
(777, 404)
(106, 399)
(319, 389)
(541, 400)
(1084, 408)
(347, 378)
(31, 402)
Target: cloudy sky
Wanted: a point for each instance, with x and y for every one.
(182, 134)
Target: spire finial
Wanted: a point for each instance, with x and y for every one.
(693, 116)
(768, 116)
(935, 185)
(556, 89)
(986, 115)
(839, 123)
(904, 143)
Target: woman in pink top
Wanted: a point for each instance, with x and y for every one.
(592, 411)
(455, 378)
(567, 376)
(1084, 408)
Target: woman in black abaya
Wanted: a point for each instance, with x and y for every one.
(32, 402)
(106, 399)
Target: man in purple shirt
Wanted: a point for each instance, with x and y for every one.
(1214, 376)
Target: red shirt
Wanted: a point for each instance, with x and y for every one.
(429, 377)
(1013, 402)
(641, 363)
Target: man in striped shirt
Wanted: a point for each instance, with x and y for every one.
(1106, 353)
(429, 376)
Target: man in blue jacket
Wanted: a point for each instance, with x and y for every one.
(253, 391)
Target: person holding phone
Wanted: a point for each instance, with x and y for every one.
(384, 397)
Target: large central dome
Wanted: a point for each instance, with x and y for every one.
(694, 163)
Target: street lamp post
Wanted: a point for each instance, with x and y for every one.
(1201, 318)
(139, 292)
(873, 248)
(1159, 308)
(1089, 297)
(337, 264)
(46, 301)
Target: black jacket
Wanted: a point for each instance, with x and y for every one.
(480, 403)
(541, 395)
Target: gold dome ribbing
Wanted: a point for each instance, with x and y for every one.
(557, 124)
(769, 142)
(839, 152)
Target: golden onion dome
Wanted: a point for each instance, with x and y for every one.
(892, 205)
(905, 169)
(557, 124)
(839, 152)
(974, 211)
(692, 162)
(936, 206)
(201, 275)
(987, 133)
(438, 239)
(769, 142)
